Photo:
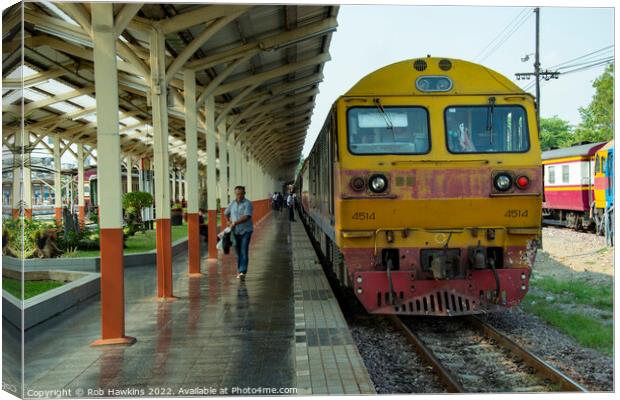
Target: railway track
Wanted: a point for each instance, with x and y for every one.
(470, 356)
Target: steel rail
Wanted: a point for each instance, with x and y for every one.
(542, 368)
(444, 375)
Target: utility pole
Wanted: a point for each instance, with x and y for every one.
(537, 68)
(546, 75)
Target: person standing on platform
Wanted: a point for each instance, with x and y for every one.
(290, 203)
(239, 214)
(280, 202)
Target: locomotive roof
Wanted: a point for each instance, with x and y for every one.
(399, 79)
(574, 151)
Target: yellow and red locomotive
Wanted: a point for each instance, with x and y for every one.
(424, 189)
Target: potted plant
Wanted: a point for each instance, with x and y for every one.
(176, 214)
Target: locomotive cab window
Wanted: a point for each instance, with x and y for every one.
(486, 129)
(388, 130)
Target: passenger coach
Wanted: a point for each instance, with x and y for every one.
(424, 189)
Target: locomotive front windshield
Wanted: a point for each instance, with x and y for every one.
(487, 129)
(388, 130)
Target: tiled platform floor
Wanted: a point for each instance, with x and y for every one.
(327, 361)
(221, 334)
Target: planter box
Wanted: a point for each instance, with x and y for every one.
(82, 286)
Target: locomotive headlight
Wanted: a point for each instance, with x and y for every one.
(503, 182)
(357, 183)
(378, 183)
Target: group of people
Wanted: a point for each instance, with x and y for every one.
(278, 201)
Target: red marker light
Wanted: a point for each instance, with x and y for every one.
(523, 182)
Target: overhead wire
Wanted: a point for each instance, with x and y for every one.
(582, 57)
(498, 36)
(508, 35)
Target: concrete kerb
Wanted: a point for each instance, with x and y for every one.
(86, 263)
(82, 272)
(82, 286)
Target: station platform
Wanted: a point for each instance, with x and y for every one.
(278, 332)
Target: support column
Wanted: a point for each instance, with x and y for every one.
(173, 185)
(22, 185)
(108, 157)
(223, 173)
(211, 176)
(232, 179)
(57, 183)
(129, 173)
(16, 194)
(27, 178)
(80, 165)
(161, 159)
(191, 174)
(180, 183)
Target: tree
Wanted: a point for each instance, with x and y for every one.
(555, 133)
(597, 119)
(133, 203)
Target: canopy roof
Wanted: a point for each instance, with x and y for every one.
(262, 63)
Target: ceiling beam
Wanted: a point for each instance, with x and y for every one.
(124, 17)
(199, 16)
(198, 41)
(266, 44)
(273, 73)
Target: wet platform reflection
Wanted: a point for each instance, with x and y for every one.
(221, 332)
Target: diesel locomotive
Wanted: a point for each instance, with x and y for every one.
(424, 189)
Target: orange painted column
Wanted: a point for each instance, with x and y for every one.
(191, 175)
(161, 164)
(212, 234)
(109, 183)
(81, 215)
(58, 215)
(163, 242)
(113, 293)
(28, 213)
(193, 242)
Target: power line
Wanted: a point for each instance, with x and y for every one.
(609, 57)
(583, 56)
(522, 21)
(497, 37)
(609, 61)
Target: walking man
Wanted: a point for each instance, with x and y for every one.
(239, 214)
(290, 203)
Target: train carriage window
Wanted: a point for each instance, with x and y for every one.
(565, 173)
(388, 130)
(551, 174)
(485, 129)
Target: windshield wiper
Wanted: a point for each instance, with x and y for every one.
(490, 119)
(386, 117)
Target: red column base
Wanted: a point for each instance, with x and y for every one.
(81, 215)
(163, 243)
(112, 288)
(58, 215)
(125, 340)
(193, 243)
(212, 231)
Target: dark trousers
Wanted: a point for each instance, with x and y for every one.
(242, 248)
(291, 213)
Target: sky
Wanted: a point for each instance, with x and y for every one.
(372, 36)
